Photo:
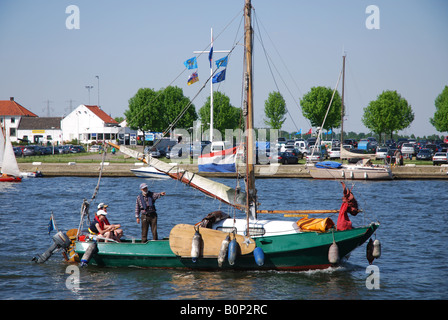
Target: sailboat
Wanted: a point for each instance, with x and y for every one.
(220, 242)
(362, 170)
(9, 169)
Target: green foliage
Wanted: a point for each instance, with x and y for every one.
(275, 110)
(388, 113)
(315, 104)
(225, 116)
(151, 110)
(440, 120)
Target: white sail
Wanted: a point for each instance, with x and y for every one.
(9, 165)
(2, 146)
(211, 188)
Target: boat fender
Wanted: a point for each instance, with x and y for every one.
(60, 241)
(259, 256)
(196, 246)
(232, 251)
(223, 251)
(376, 253)
(333, 253)
(369, 251)
(90, 251)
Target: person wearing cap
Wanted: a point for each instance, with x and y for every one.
(117, 232)
(145, 208)
(101, 226)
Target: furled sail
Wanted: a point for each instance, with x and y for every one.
(211, 188)
(345, 154)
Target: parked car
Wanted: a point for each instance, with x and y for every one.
(155, 152)
(17, 151)
(432, 147)
(381, 153)
(407, 148)
(95, 148)
(334, 153)
(286, 157)
(424, 154)
(31, 151)
(440, 158)
(77, 149)
(287, 148)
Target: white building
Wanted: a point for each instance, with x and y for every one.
(40, 130)
(89, 124)
(11, 113)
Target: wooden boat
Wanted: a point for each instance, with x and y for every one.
(220, 242)
(362, 170)
(9, 169)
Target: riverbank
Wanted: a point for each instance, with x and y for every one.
(112, 169)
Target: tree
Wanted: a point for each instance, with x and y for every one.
(225, 116)
(275, 110)
(315, 104)
(388, 113)
(151, 110)
(440, 120)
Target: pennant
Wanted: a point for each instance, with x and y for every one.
(210, 56)
(51, 225)
(221, 62)
(309, 132)
(329, 132)
(220, 76)
(194, 77)
(300, 131)
(191, 63)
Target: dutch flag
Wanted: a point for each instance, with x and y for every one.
(220, 161)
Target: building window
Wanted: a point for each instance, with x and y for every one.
(12, 132)
(13, 120)
(49, 138)
(100, 136)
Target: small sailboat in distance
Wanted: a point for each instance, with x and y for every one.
(9, 168)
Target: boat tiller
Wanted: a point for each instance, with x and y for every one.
(88, 254)
(60, 241)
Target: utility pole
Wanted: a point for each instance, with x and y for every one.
(211, 82)
(98, 77)
(88, 88)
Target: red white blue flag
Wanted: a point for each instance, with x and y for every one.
(220, 161)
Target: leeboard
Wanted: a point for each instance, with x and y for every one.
(181, 237)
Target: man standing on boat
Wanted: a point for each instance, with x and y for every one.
(145, 206)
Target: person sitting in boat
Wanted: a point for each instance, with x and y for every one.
(101, 226)
(145, 207)
(118, 233)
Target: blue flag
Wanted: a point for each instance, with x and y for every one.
(51, 225)
(191, 63)
(221, 76)
(210, 56)
(221, 62)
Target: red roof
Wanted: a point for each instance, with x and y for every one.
(101, 114)
(12, 108)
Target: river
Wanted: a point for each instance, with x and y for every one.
(412, 213)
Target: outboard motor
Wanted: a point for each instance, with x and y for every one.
(60, 241)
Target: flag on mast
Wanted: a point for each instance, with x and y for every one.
(210, 56)
(191, 63)
(221, 76)
(194, 77)
(221, 62)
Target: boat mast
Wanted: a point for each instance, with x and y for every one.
(251, 192)
(342, 104)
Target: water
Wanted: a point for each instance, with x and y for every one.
(413, 265)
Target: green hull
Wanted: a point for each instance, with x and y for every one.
(298, 251)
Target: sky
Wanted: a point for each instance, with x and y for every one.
(47, 60)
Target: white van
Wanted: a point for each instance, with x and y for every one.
(220, 146)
